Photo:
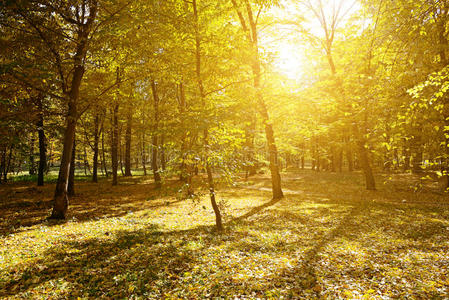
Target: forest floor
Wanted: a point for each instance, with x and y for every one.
(328, 238)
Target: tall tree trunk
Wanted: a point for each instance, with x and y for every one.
(32, 163)
(155, 140)
(144, 157)
(42, 144)
(86, 162)
(210, 178)
(120, 150)
(252, 37)
(49, 159)
(162, 155)
(103, 151)
(128, 143)
(2, 162)
(95, 156)
(114, 145)
(182, 111)
(71, 185)
(60, 199)
(8, 164)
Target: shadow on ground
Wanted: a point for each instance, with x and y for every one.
(333, 241)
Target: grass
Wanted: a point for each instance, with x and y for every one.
(328, 238)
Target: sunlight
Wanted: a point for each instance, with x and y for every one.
(288, 40)
(290, 60)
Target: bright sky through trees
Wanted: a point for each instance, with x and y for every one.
(287, 39)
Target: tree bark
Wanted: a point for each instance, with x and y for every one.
(96, 142)
(143, 155)
(120, 150)
(114, 145)
(155, 140)
(162, 154)
(32, 163)
(2, 162)
(8, 164)
(128, 144)
(71, 186)
(252, 37)
(42, 143)
(60, 199)
(210, 178)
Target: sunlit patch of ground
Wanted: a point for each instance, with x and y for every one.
(326, 238)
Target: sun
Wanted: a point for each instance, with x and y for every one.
(289, 60)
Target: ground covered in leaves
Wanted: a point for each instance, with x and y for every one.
(326, 239)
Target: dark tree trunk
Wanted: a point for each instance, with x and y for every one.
(42, 143)
(302, 162)
(128, 144)
(114, 144)
(155, 140)
(2, 162)
(32, 163)
(49, 159)
(144, 158)
(417, 155)
(61, 201)
(103, 152)
(120, 150)
(95, 156)
(8, 164)
(71, 185)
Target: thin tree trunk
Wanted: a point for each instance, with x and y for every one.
(42, 144)
(114, 145)
(182, 110)
(103, 152)
(32, 163)
(49, 159)
(2, 162)
(120, 154)
(210, 179)
(8, 164)
(71, 185)
(162, 154)
(95, 156)
(155, 140)
(144, 158)
(128, 144)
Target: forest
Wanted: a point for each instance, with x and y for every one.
(232, 149)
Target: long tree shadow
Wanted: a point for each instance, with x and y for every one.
(92, 201)
(103, 267)
(304, 272)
